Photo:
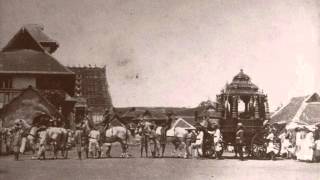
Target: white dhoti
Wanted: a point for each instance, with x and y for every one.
(285, 146)
(272, 148)
(23, 144)
(317, 149)
(307, 148)
(196, 147)
(42, 143)
(93, 145)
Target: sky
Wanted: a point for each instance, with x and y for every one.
(181, 52)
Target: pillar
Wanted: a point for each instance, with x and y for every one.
(256, 107)
(220, 106)
(267, 111)
(234, 107)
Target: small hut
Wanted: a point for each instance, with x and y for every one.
(29, 105)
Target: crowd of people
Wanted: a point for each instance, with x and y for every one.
(300, 142)
(22, 136)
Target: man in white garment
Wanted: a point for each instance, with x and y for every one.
(271, 149)
(94, 138)
(217, 139)
(285, 144)
(196, 147)
(307, 147)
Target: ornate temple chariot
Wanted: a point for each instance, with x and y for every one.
(242, 101)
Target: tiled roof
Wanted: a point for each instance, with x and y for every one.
(30, 61)
(131, 113)
(31, 36)
(305, 110)
(189, 119)
(287, 113)
(183, 124)
(242, 83)
(36, 31)
(311, 114)
(29, 104)
(191, 111)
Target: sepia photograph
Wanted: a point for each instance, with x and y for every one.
(160, 89)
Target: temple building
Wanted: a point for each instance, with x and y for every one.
(27, 61)
(91, 90)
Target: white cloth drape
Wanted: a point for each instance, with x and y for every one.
(306, 147)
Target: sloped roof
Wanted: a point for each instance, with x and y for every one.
(31, 36)
(314, 98)
(241, 84)
(287, 112)
(152, 115)
(180, 122)
(36, 31)
(191, 111)
(190, 119)
(116, 122)
(28, 105)
(31, 62)
(304, 109)
(132, 113)
(311, 114)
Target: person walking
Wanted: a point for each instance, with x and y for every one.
(285, 144)
(78, 140)
(94, 138)
(43, 137)
(239, 140)
(153, 141)
(189, 139)
(17, 133)
(217, 140)
(317, 143)
(271, 149)
(197, 145)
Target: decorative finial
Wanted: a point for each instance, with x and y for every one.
(241, 70)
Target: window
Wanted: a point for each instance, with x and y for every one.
(5, 83)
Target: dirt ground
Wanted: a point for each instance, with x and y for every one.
(160, 168)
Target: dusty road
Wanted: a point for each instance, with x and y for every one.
(147, 168)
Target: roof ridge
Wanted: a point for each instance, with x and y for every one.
(40, 96)
(19, 32)
(181, 119)
(303, 106)
(28, 31)
(284, 106)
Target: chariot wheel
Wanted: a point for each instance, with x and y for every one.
(278, 146)
(207, 150)
(219, 150)
(258, 148)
